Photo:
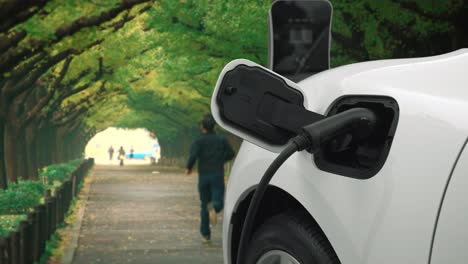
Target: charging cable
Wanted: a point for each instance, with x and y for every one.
(311, 137)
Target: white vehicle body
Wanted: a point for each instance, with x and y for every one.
(415, 209)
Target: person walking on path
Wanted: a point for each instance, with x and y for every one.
(211, 151)
(121, 155)
(111, 152)
(131, 152)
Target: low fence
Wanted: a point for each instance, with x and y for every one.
(28, 243)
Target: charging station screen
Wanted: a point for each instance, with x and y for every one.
(300, 31)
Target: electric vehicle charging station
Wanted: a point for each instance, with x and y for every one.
(377, 146)
(299, 38)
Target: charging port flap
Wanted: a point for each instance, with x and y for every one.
(360, 157)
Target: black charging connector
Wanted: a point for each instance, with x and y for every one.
(285, 115)
(359, 121)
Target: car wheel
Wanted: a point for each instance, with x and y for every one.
(290, 238)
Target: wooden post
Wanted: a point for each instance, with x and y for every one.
(49, 214)
(43, 227)
(53, 218)
(14, 247)
(74, 185)
(4, 250)
(66, 196)
(24, 242)
(69, 192)
(33, 219)
(59, 208)
(64, 201)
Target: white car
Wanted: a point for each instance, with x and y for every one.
(401, 196)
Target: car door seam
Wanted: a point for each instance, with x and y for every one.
(443, 198)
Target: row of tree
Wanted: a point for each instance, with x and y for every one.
(70, 69)
(53, 78)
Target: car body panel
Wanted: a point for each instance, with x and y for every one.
(451, 236)
(390, 217)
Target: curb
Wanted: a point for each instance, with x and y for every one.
(69, 251)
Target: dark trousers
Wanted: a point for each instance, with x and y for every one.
(211, 189)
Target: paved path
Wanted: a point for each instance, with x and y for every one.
(144, 214)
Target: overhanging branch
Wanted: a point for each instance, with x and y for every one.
(45, 99)
(9, 59)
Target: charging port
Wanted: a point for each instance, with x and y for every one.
(357, 155)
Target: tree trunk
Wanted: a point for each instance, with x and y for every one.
(75, 144)
(11, 152)
(39, 147)
(30, 142)
(21, 156)
(59, 144)
(51, 146)
(33, 168)
(47, 146)
(66, 147)
(81, 142)
(3, 178)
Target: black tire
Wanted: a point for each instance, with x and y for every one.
(294, 233)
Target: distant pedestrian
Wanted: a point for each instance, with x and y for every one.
(131, 152)
(111, 152)
(121, 155)
(211, 151)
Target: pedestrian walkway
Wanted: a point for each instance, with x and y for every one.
(144, 214)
